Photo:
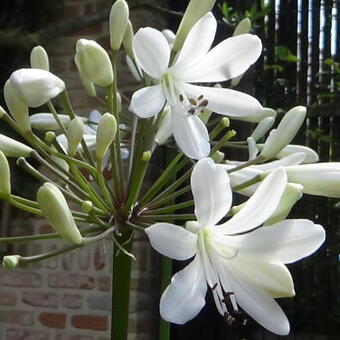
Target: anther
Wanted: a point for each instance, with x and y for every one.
(214, 286)
(181, 98)
(200, 97)
(204, 103)
(192, 111)
(192, 102)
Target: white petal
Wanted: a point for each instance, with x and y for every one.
(152, 51)
(293, 159)
(257, 302)
(190, 134)
(310, 155)
(184, 298)
(212, 193)
(197, 43)
(226, 101)
(172, 241)
(284, 242)
(259, 207)
(227, 60)
(147, 101)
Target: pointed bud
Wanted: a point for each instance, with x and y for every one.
(56, 211)
(74, 134)
(5, 178)
(106, 133)
(118, 21)
(93, 62)
(10, 261)
(292, 193)
(128, 40)
(164, 131)
(285, 132)
(262, 128)
(35, 87)
(87, 206)
(17, 108)
(12, 148)
(242, 27)
(39, 58)
(195, 11)
(46, 121)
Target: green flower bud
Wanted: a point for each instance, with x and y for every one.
(195, 10)
(106, 132)
(12, 148)
(56, 211)
(39, 58)
(128, 40)
(285, 132)
(50, 137)
(17, 108)
(46, 121)
(118, 21)
(218, 156)
(262, 128)
(93, 62)
(5, 176)
(10, 261)
(146, 156)
(87, 206)
(74, 134)
(242, 27)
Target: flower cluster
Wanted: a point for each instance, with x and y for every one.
(98, 164)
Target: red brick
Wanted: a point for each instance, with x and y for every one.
(71, 281)
(104, 283)
(96, 323)
(8, 298)
(22, 279)
(72, 301)
(26, 334)
(53, 320)
(99, 257)
(84, 258)
(46, 229)
(17, 317)
(38, 299)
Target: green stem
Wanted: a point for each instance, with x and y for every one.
(171, 208)
(230, 134)
(221, 125)
(257, 160)
(166, 266)
(169, 217)
(102, 185)
(246, 184)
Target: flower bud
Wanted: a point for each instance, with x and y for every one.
(292, 193)
(35, 87)
(17, 108)
(87, 206)
(195, 10)
(5, 177)
(106, 132)
(12, 148)
(93, 62)
(56, 211)
(39, 58)
(88, 85)
(74, 134)
(262, 128)
(62, 163)
(10, 261)
(258, 115)
(50, 137)
(46, 121)
(217, 156)
(128, 40)
(242, 27)
(164, 131)
(310, 155)
(285, 132)
(118, 21)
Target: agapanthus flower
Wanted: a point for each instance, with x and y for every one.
(195, 63)
(242, 263)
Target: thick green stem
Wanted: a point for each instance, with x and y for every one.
(171, 208)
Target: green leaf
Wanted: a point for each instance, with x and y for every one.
(284, 53)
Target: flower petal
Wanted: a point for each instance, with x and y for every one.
(211, 190)
(190, 134)
(284, 242)
(152, 51)
(227, 102)
(227, 60)
(172, 241)
(184, 298)
(256, 301)
(197, 43)
(259, 207)
(147, 101)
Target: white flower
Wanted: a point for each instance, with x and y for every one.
(194, 63)
(35, 87)
(241, 264)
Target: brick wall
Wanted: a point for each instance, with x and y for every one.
(68, 297)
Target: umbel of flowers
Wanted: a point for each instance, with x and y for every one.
(95, 167)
